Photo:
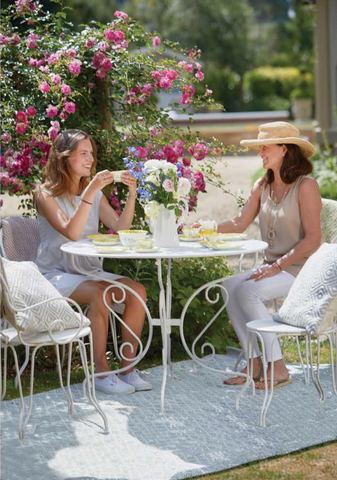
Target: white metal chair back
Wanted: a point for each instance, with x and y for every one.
(19, 238)
(329, 220)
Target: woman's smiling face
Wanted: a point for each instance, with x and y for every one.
(80, 161)
(272, 155)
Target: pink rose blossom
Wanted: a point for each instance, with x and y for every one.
(156, 41)
(91, 85)
(200, 76)
(106, 64)
(75, 67)
(21, 117)
(55, 78)
(168, 185)
(51, 111)
(44, 87)
(65, 89)
(110, 35)
(101, 73)
(186, 162)
(98, 59)
(53, 58)
(153, 131)
(44, 69)
(72, 52)
(199, 151)
(103, 46)
(189, 67)
(186, 99)
(208, 92)
(70, 107)
(31, 111)
(90, 42)
(197, 66)
(53, 130)
(21, 128)
(63, 115)
(122, 15)
(31, 41)
(6, 137)
(156, 75)
(119, 36)
(4, 39)
(198, 183)
(15, 40)
(171, 74)
(40, 63)
(32, 62)
(184, 186)
(142, 152)
(147, 89)
(165, 83)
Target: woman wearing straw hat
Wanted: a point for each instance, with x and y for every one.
(288, 203)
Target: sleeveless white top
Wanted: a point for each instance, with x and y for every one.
(55, 264)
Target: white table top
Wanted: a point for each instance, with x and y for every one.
(185, 250)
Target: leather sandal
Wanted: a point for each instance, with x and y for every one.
(277, 383)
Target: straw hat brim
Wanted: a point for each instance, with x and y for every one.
(307, 148)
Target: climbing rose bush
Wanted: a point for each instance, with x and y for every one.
(104, 80)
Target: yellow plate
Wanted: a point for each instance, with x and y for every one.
(113, 249)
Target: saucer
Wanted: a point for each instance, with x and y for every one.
(110, 249)
(184, 238)
(104, 239)
(229, 237)
(224, 246)
(145, 250)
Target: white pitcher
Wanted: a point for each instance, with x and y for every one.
(166, 225)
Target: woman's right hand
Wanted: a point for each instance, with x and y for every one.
(100, 180)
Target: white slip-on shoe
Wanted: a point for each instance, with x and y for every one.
(136, 381)
(113, 384)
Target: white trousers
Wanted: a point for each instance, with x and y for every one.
(246, 303)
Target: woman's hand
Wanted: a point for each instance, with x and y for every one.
(130, 181)
(265, 271)
(101, 180)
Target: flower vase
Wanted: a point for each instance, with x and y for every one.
(165, 228)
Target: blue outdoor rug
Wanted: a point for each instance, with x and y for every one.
(201, 431)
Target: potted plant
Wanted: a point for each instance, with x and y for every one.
(302, 98)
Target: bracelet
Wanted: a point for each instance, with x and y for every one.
(82, 200)
(279, 266)
(132, 196)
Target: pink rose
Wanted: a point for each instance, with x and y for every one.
(4, 39)
(199, 151)
(208, 92)
(168, 185)
(110, 35)
(65, 89)
(98, 59)
(75, 67)
(122, 15)
(185, 99)
(165, 83)
(189, 67)
(70, 107)
(45, 69)
(21, 127)
(6, 137)
(15, 40)
(72, 52)
(156, 41)
(184, 186)
(31, 41)
(90, 42)
(119, 36)
(51, 111)
(55, 79)
(21, 117)
(197, 66)
(200, 76)
(44, 87)
(142, 152)
(103, 46)
(31, 111)
(106, 64)
(186, 162)
(153, 131)
(32, 62)
(101, 73)
(53, 58)
(91, 85)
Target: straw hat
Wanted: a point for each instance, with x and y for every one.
(280, 132)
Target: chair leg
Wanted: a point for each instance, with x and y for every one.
(91, 380)
(113, 327)
(330, 337)
(3, 393)
(306, 378)
(318, 369)
(22, 413)
(307, 356)
(31, 387)
(69, 397)
(237, 363)
(25, 363)
(266, 403)
(250, 368)
(71, 404)
(317, 385)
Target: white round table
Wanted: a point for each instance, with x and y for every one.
(185, 250)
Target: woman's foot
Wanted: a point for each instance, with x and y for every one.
(281, 376)
(113, 384)
(238, 380)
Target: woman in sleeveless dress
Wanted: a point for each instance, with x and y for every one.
(287, 201)
(70, 205)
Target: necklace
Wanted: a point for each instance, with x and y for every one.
(273, 213)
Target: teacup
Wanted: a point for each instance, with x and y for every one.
(215, 238)
(145, 243)
(130, 238)
(191, 232)
(208, 227)
(118, 175)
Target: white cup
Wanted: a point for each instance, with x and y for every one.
(118, 175)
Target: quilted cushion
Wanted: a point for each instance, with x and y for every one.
(27, 287)
(329, 220)
(312, 300)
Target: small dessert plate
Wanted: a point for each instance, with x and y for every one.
(105, 243)
(230, 237)
(104, 239)
(145, 250)
(225, 246)
(111, 249)
(184, 238)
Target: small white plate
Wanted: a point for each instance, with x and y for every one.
(111, 249)
(145, 250)
(226, 246)
(184, 238)
(106, 243)
(232, 237)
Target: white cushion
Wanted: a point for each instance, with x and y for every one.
(27, 287)
(312, 300)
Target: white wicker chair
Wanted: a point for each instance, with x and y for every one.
(56, 335)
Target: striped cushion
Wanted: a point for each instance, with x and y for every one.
(312, 300)
(27, 287)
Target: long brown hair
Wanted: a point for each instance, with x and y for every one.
(294, 165)
(56, 177)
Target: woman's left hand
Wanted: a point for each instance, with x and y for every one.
(264, 272)
(130, 181)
